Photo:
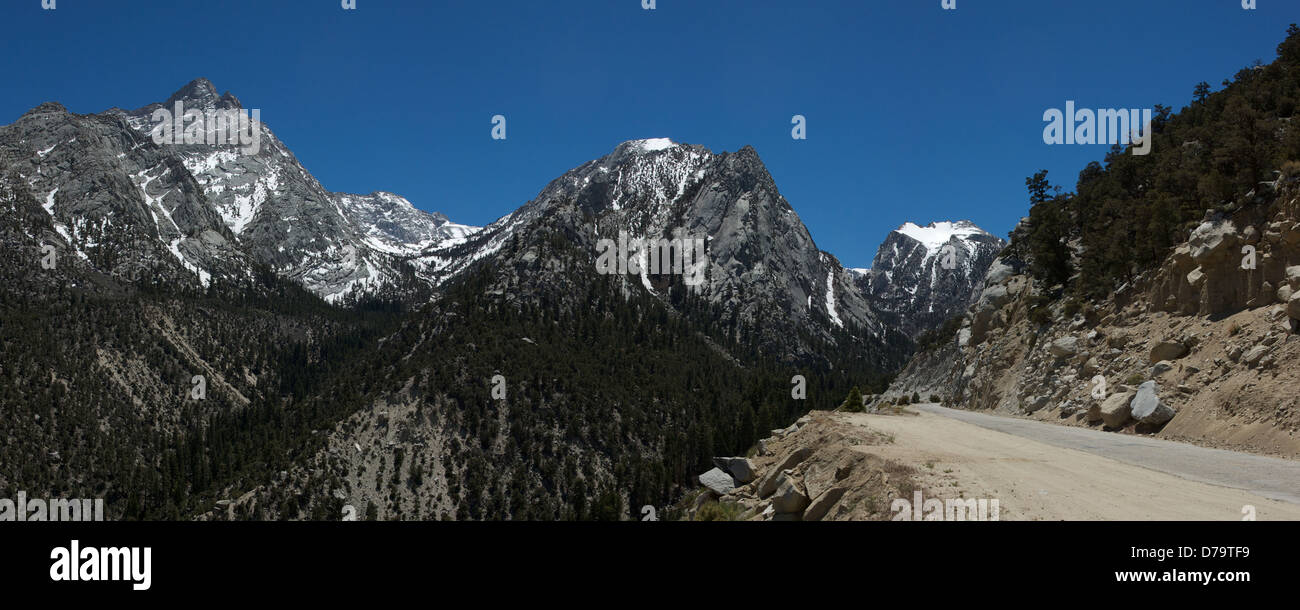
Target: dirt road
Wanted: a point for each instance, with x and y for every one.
(1040, 471)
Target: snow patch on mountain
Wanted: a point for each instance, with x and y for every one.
(658, 179)
(655, 144)
(58, 226)
(937, 234)
(156, 205)
(830, 299)
(49, 202)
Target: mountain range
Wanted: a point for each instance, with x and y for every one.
(381, 322)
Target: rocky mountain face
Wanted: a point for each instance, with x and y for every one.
(208, 207)
(1195, 349)
(761, 269)
(121, 204)
(922, 276)
(335, 244)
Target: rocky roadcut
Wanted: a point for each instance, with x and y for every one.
(1193, 350)
(1162, 296)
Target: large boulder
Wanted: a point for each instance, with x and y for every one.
(1167, 350)
(1064, 347)
(1293, 307)
(1293, 276)
(740, 469)
(1213, 240)
(1093, 414)
(718, 481)
(1146, 406)
(790, 497)
(823, 504)
(986, 307)
(771, 480)
(1115, 411)
(818, 477)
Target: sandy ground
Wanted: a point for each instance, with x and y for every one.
(1040, 471)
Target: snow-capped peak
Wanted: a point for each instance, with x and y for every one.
(937, 234)
(913, 279)
(654, 144)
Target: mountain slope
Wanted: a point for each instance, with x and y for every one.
(136, 208)
(334, 244)
(763, 270)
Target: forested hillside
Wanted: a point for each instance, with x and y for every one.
(1224, 151)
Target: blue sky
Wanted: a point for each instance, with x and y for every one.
(914, 113)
